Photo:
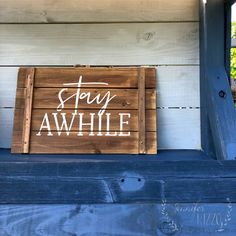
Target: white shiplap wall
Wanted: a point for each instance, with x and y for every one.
(152, 32)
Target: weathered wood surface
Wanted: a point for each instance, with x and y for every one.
(34, 92)
(125, 98)
(28, 110)
(115, 77)
(108, 180)
(219, 101)
(142, 104)
(100, 44)
(93, 11)
(90, 144)
(38, 114)
(140, 219)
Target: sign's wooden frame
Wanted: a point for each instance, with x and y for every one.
(37, 95)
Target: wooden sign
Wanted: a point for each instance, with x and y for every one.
(85, 110)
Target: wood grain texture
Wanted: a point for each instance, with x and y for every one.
(177, 86)
(38, 115)
(90, 144)
(177, 128)
(142, 110)
(48, 98)
(91, 180)
(85, 220)
(125, 98)
(34, 94)
(22, 116)
(93, 11)
(100, 44)
(28, 110)
(115, 77)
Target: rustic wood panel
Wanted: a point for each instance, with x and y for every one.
(93, 11)
(28, 110)
(115, 77)
(142, 103)
(90, 144)
(177, 86)
(99, 140)
(66, 220)
(125, 99)
(100, 44)
(177, 128)
(38, 114)
(16, 131)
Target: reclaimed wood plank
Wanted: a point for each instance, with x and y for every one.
(102, 11)
(147, 181)
(115, 77)
(38, 114)
(89, 144)
(108, 219)
(37, 165)
(142, 110)
(100, 44)
(125, 98)
(27, 111)
(22, 117)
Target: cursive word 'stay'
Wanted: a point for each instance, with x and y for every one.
(85, 95)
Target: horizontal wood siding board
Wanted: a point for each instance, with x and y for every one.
(90, 144)
(177, 86)
(177, 128)
(125, 98)
(42, 96)
(38, 115)
(31, 165)
(114, 77)
(75, 190)
(104, 219)
(100, 44)
(102, 11)
(163, 155)
(119, 182)
(181, 127)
